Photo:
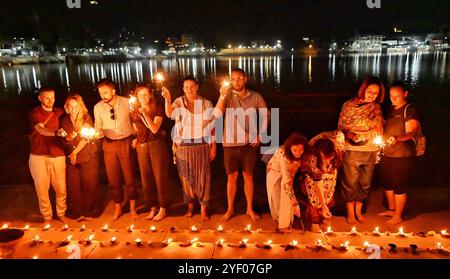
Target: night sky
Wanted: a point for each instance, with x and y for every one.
(220, 22)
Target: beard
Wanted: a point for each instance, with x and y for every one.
(107, 100)
(238, 88)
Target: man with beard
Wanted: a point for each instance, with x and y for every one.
(113, 122)
(241, 139)
(47, 162)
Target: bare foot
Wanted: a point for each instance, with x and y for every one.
(361, 219)
(315, 228)
(394, 221)
(388, 213)
(161, 215)
(134, 215)
(117, 213)
(227, 216)
(151, 215)
(253, 215)
(351, 221)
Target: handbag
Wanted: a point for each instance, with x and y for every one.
(420, 140)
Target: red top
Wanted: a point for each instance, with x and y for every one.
(43, 145)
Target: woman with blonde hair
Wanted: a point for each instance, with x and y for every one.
(82, 172)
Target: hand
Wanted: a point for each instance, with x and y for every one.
(73, 158)
(224, 90)
(61, 133)
(391, 141)
(212, 152)
(326, 212)
(166, 95)
(296, 210)
(134, 143)
(143, 110)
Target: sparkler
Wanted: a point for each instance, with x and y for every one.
(88, 133)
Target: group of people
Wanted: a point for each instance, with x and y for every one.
(62, 156)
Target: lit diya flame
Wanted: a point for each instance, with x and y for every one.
(319, 243)
(69, 238)
(294, 243)
(47, 227)
(168, 241)
(226, 83)
(248, 228)
(194, 240)
(194, 229)
(376, 231)
(345, 244)
(329, 230)
(37, 238)
(354, 231)
(26, 227)
(130, 228)
(439, 246)
(88, 132)
(65, 227)
(153, 229)
(268, 242)
(220, 228)
(113, 240)
(444, 233)
(83, 227)
(220, 242)
(91, 237)
(5, 226)
(366, 244)
(35, 257)
(138, 241)
(105, 228)
(159, 77)
(244, 241)
(401, 232)
(379, 141)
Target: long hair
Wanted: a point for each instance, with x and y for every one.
(295, 139)
(369, 81)
(151, 103)
(82, 112)
(328, 149)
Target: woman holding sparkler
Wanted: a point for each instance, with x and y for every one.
(151, 150)
(400, 130)
(81, 148)
(361, 120)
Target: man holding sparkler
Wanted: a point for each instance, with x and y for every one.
(47, 160)
(112, 120)
(241, 143)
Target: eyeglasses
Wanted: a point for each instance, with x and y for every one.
(113, 116)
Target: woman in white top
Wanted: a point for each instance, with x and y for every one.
(281, 171)
(193, 148)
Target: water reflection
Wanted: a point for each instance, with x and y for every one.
(267, 71)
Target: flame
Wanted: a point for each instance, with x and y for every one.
(131, 228)
(91, 237)
(159, 77)
(221, 241)
(153, 228)
(26, 227)
(376, 230)
(248, 228)
(379, 141)
(244, 241)
(113, 239)
(83, 227)
(5, 226)
(354, 231)
(37, 238)
(294, 242)
(138, 240)
(65, 227)
(169, 240)
(35, 257)
(194, 228)
(88, 132)
(48, 226)
(444, 232)
(105, 227)
(329, 230)
(69, 238)
(319, 242)
(268, 242)
(400, 231)
(195, 239)
(345, 244)
(220, 228)
(366, 243)
(439, 245)
(226, 83)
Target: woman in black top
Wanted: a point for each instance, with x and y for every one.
(83, 184)
(401, 127)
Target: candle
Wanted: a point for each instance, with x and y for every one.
(319, 243)
(401, 232)
(5, 226)
(138, 241)
(244, 241)
(113, 240)
(26, 227)
(345, 245)
(329, 231)
(439, 246)
(248, 228)
(153, 229)
(376, 231)
(444, 233)
(65, 227)
(194, 240)
(220, 242)
(47, 227)
(194, 229)
(37, 238)
(91, 237)
(69, 238)
(354, 231)
(130, 228)
(166, 242)
(294, 243)
(220, 228)
(83, 227)
(105, 228)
